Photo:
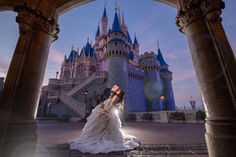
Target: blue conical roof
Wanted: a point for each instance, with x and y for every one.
(98, 31)
(109, 31)
(135, 40)
(88, 49)
(131, 55)
(160, 58)
(104, 13)
(71, 56)
(116, 24)
(128, 37)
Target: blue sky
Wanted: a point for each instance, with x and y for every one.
(150, 20)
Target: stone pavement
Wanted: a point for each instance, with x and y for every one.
(145, 150)
(157, 140)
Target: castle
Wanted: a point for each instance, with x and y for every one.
(113, 59)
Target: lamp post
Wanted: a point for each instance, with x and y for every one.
(162, 99)
(85, 101)
(57, 74)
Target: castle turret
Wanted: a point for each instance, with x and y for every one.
(167, 95)
(152, 81)
(116, 55)
(97, 32)
(104, 21)
(135, 49)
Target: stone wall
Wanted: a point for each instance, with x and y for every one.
(168, 116)
(137, 102)
(62, 110)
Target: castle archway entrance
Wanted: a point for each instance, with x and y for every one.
(199, 20)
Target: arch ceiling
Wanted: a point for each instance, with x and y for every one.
(61, 6)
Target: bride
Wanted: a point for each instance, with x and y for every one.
(102, 133)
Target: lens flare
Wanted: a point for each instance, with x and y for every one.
(116, 111)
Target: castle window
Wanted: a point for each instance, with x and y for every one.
(115, 33)
(116, 44)
(125, 45)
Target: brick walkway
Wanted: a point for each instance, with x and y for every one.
(145, 150)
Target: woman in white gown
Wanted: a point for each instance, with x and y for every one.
(102, 133)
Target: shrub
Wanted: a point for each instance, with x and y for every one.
(200, 115)
(147, 116)
(177, 116)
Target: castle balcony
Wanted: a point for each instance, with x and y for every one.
(53, 81)
(53, 96)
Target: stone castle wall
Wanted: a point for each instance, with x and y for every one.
(136, 90)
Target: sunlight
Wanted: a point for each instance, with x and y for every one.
(116, 111)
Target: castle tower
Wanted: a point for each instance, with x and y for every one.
(97, 33)
(152, 81)
(116, 55)
(135, 49)
(104, 21)
(167, 95)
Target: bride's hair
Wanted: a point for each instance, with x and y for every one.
(120, 101)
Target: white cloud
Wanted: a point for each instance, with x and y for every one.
(181, 75)
(56, 56)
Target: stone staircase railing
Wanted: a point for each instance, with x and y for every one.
(79, 108)
(99, 77)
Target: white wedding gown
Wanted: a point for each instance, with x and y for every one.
(101, 135)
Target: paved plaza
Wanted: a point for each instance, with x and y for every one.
(157, 140)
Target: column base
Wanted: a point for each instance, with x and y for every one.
(221, 137)
(19, 139)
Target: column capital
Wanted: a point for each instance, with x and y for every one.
(31, 18)
(212, 9)
(191, 10)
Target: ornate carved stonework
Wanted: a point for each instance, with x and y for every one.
(115, 53)
(33, 18)
(212, 9)
(191, 10)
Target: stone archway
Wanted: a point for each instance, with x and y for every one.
(213, 59)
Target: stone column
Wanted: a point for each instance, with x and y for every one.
(22, 88)
(214, 65)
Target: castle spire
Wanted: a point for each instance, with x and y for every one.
(98, 30)
(116, 24)
(135, 39)
(116, 9)
(105, 11)
(65, 58)
(104, 21)
(72, 47)
(123, 19)
(128, 37)
(119, 15)
(159, 55)
(158, 46)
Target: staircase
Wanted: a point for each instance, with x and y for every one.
(99, 77)
(79, 108)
